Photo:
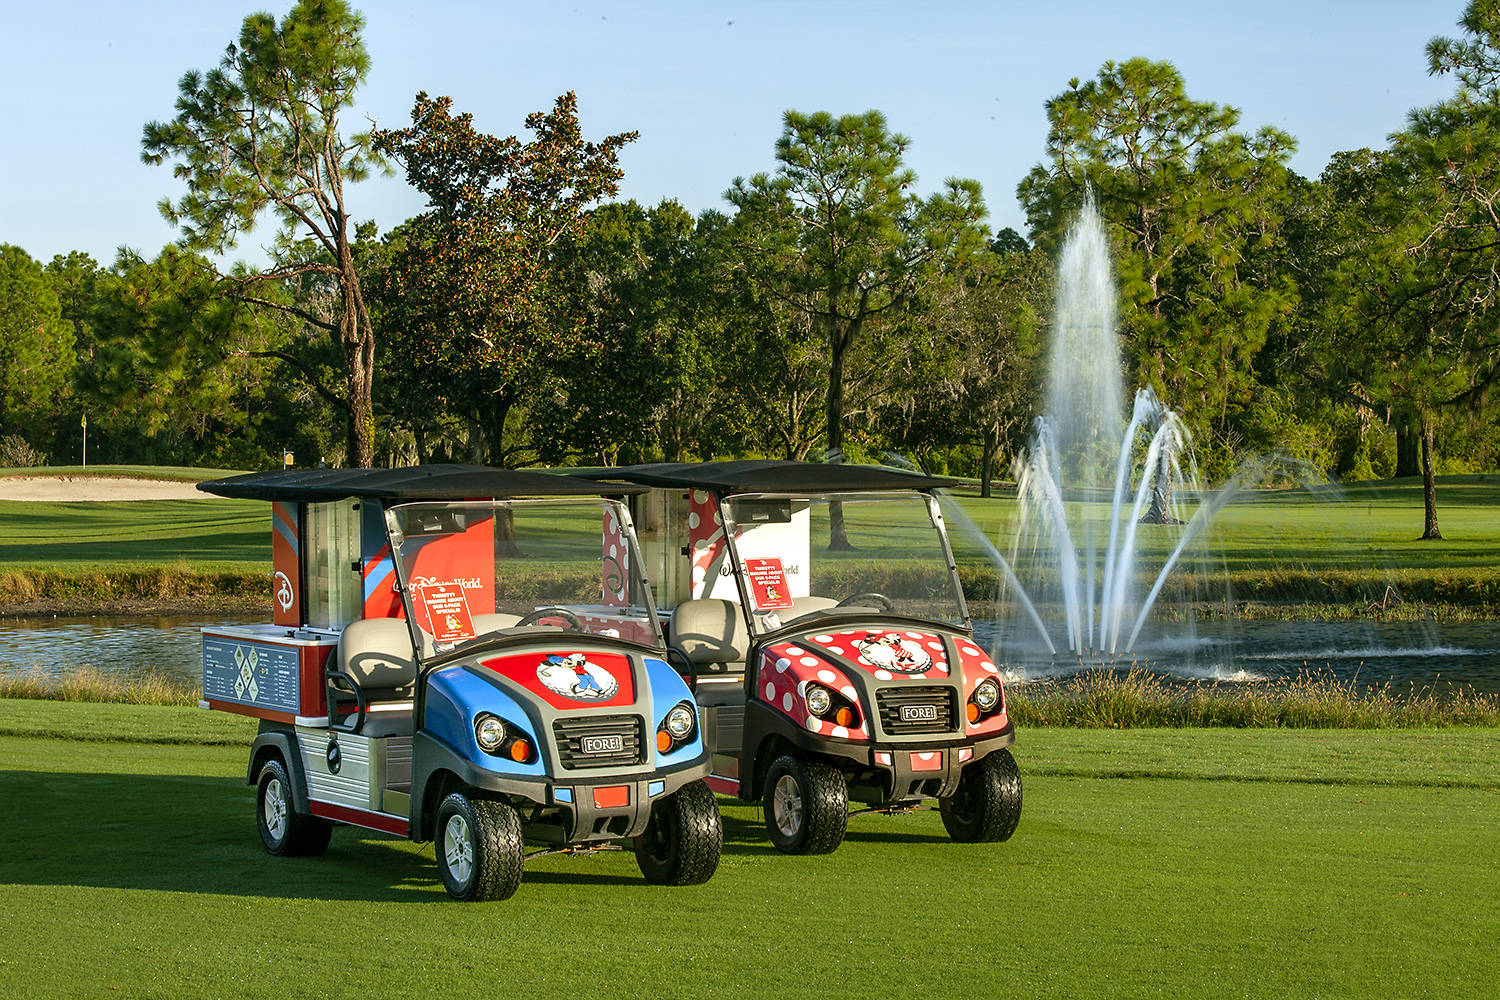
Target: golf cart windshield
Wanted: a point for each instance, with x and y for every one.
(472, 569)
(897, 561)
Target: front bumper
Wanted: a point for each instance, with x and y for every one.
(578, 806)
(879, 772)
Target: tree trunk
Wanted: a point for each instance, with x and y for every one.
(359, 358)
(838, 538)
(1160, 511)
(1408, 448)
(1429, 479)
(987, 465)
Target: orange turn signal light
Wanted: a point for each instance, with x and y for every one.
(663, 741)
(520, 751)
(973, 712)
(844, 717)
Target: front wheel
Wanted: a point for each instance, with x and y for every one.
(806, 806)
(682, 841)
(479, 848)
(286, 832)
(987, 805)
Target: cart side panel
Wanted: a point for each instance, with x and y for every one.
(286, 560)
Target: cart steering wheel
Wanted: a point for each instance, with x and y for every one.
(574, 625)
(868, 599)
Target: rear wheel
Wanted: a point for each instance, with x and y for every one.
(286, 832)
(806, 806)
(682, 841)
(479, 848)
(987, 805)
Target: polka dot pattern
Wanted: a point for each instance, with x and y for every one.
(785, 672)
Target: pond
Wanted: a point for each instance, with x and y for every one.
(1369, 654)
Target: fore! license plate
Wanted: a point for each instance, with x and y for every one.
(602, 744)
(919, 713)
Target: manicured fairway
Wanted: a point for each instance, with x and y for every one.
(1172, 863)
(95, 534)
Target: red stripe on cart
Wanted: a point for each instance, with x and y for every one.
(724, 786)
(383, 822)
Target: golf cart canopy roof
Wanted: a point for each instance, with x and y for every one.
(421, 482)
(772, 476)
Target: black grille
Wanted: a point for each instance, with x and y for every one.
(936, 702)
(572, 733)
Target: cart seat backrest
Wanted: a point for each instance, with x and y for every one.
(711, 632)
(376, 654)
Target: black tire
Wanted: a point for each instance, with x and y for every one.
(987, 805)
(806, 805)
(284, 831)
(682, 841)
(479, 848)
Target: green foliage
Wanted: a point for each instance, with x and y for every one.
(261, 132)
(1193, 208)
(835, 244)
(477, 309)
(36, 342)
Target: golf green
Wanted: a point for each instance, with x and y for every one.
(1187, 863)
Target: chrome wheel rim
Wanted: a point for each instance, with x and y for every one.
(786, 806)
(458, 849)
(273, 809)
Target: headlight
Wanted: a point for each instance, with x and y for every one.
(818, 699)
(490, 732)
(987, 694)
(680, 722)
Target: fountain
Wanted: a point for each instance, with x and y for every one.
(1077, 557)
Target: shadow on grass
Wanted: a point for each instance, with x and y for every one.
(176, 833)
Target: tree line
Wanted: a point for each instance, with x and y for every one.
(829, 309)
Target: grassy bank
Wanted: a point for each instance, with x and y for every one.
(1097, 700)
(1193, 863)
(162, 473)
(1350, 552)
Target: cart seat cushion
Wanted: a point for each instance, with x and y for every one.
(710, 631)
(376, 654)
(484, 624)
(807, 605)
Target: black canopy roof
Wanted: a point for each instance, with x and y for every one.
(421, 482)
(772, 476)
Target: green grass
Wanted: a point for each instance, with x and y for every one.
(1184, 863)
(168, 473)
(1336, 549)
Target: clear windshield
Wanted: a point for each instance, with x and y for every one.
(475, 568)
(896, 560)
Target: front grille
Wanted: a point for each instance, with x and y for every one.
(939, 700)
(571, 733)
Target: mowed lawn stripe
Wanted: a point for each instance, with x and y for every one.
(135, 870)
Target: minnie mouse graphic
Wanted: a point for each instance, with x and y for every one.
(890, 651)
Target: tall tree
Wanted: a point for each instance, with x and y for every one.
(1193, 208)
(477, 305)
(36, 342)
(262, 132)
(836, 235)
(976, 356)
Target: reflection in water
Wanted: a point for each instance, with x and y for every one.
(57, 646)
(1368, 653)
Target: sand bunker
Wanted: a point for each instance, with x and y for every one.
(74, 489)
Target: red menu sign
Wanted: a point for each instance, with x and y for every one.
(447, 611)
(768, 587)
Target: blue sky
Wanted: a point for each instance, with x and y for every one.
(704, 83)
